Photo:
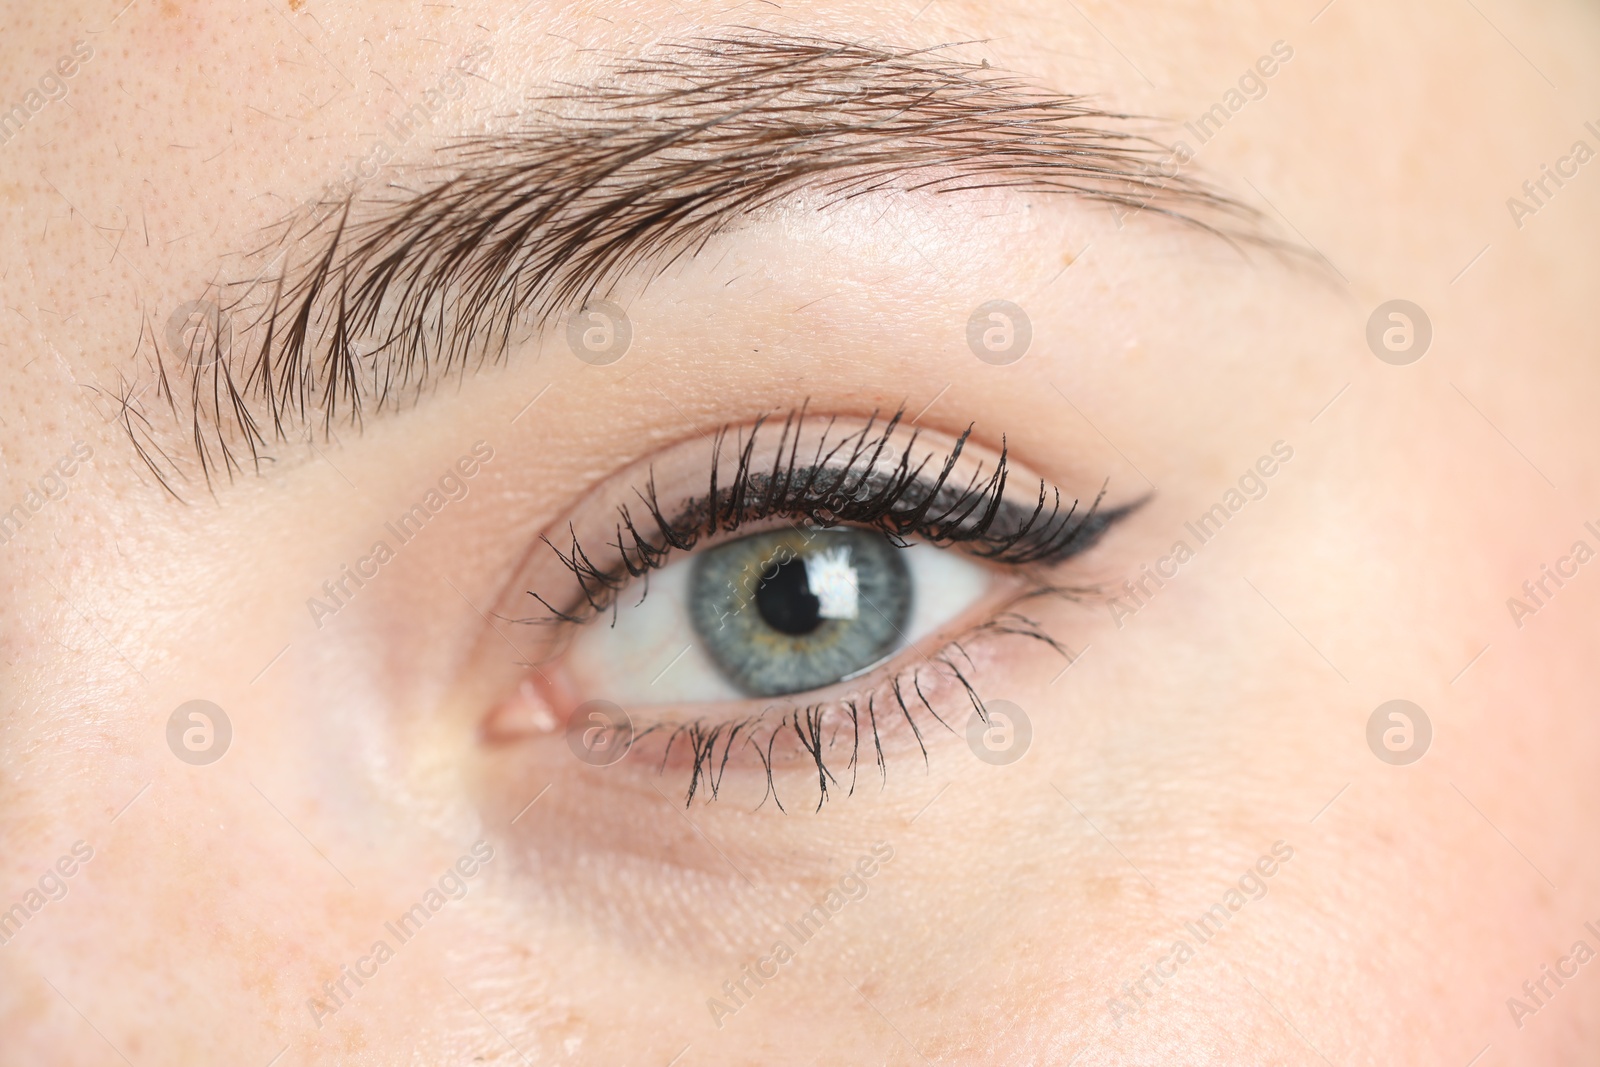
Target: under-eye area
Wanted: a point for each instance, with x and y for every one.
(793, 605)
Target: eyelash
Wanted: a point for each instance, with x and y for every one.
(904, 504)
(810, 723)
(844, 482)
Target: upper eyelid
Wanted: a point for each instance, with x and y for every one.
(668, 155)
(978, 511)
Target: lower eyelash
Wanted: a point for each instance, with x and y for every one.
(817, 728)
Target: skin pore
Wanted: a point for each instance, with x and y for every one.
(1199, 739)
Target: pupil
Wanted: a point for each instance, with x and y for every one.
(785, 600)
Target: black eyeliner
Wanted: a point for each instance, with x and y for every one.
(843, 483)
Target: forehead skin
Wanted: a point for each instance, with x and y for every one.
(1231, 716)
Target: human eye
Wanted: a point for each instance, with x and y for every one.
(806, 592)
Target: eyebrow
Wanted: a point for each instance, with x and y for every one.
(358, 304)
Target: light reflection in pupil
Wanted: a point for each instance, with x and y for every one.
(785, 600)
(788, 611)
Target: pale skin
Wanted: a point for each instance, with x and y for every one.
(1217, 730)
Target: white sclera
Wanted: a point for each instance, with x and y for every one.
(653, 656)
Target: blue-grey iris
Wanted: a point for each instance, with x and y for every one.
(798, 609)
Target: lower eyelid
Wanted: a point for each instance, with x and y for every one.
(799, 752)
(802, 754)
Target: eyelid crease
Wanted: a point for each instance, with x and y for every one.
(843, 482)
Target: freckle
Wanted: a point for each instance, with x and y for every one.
(1103, 891)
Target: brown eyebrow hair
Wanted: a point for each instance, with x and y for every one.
(359, 303)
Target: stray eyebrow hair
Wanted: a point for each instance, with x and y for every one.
(360, 303)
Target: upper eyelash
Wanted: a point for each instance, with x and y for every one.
(843, 482)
